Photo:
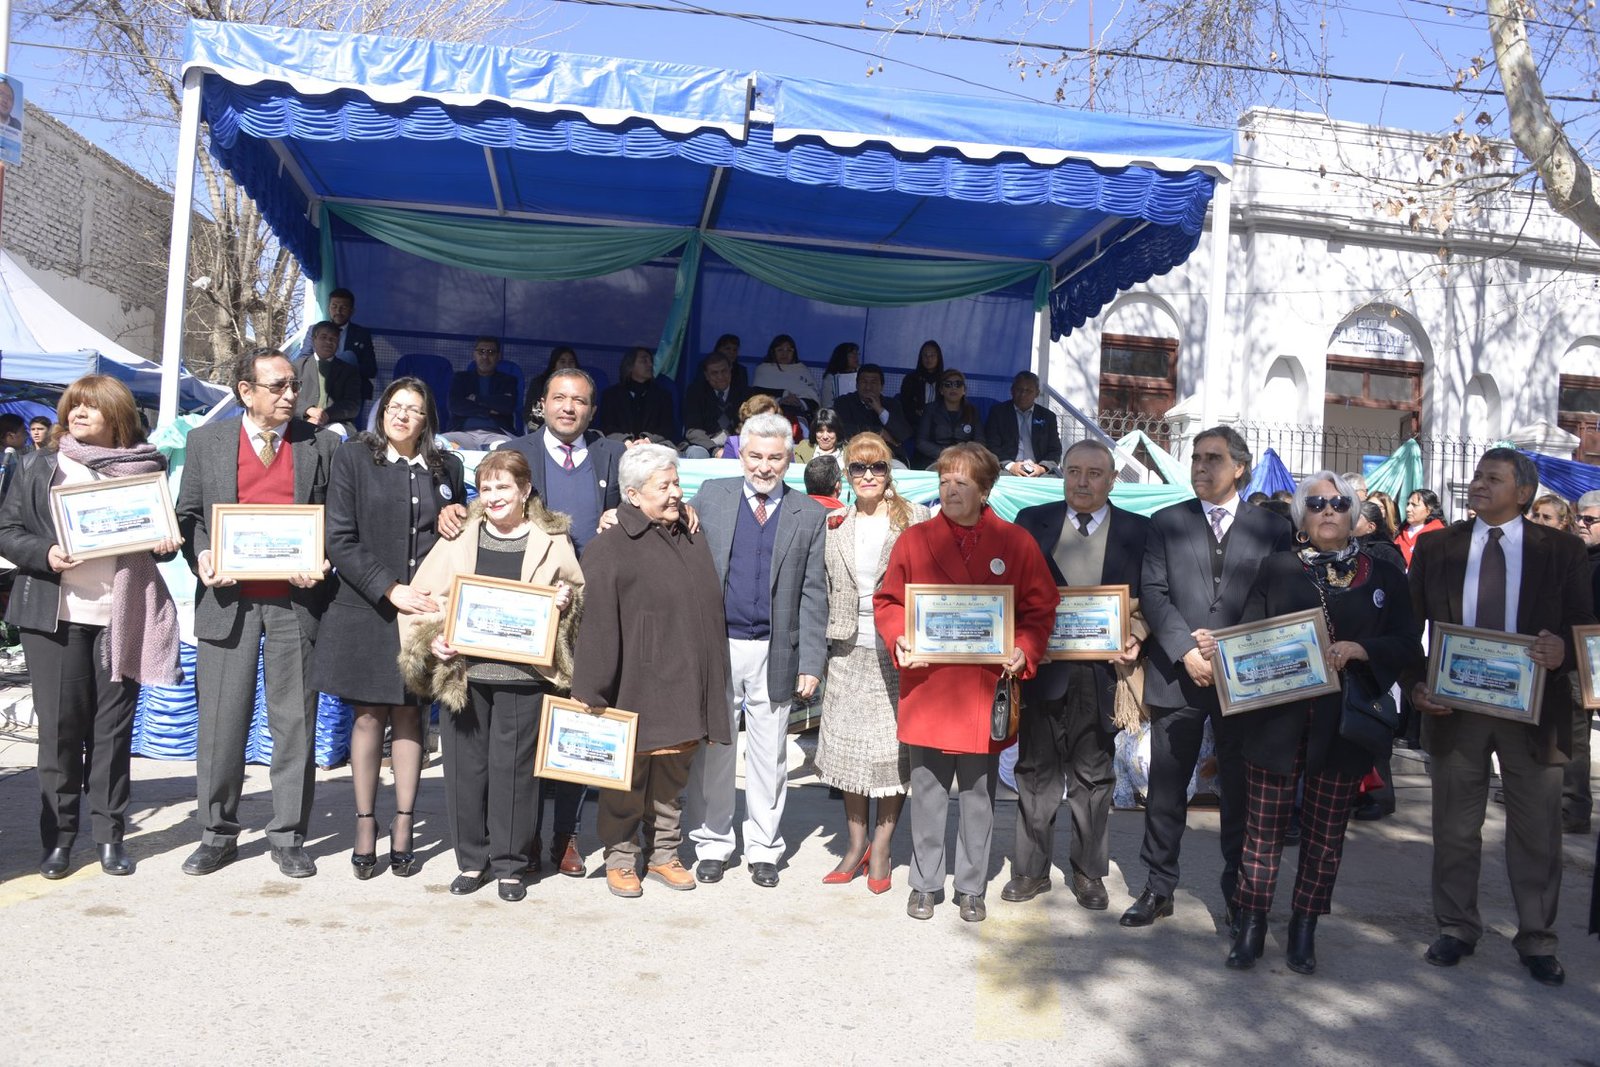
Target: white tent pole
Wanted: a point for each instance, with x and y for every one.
(1214, 391)
(178, 251)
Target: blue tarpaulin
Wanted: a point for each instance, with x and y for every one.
(1269, 476)
(1566, 477)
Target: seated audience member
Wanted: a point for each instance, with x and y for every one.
(838, 376)
(355, 342)
(826, 439)
(784, 376)
(728, 345)
(822, 482)
(1023, 434)
(921, 387)
(330, 389)
(483, 399)
(711, 408)
(757, 404)
(864, 411)
(39, 431)
(638, 409)
(950, 420)
(562, 357)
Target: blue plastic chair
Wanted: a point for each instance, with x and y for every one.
(515, 370)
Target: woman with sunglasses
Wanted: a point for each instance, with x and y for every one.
(858, 750)
(1372, 632)
(392, 495)
(950, 420)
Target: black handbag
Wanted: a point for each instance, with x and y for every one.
(1007, 707)
(1368, 717)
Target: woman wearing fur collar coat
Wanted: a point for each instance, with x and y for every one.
(491, 729)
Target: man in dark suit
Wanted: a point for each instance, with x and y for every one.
(263, 457)
(1032, 454)
(766, 541)
(575, 472)
(1500, 572)
(1068, 732)
(1200, 559)
(711, 408)
(355, 342)
(13, 438)
(864, 411)
(330, 389)
(483, 400)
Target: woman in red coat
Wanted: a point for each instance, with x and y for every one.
(944, 708)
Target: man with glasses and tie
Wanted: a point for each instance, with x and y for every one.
(1067, 733)
(1201, 557)
(265, 456)
(1500, 572)
(767, 543)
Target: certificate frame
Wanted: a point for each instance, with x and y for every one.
(1503, 682)
(248, 539)
(1255, 666)
(139, 515)
(570, 736)
(478, 605)
(991, 607)
(1112, 600)
(1586, 646)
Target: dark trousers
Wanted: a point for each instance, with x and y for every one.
(569, 798)
(1577, 800)
(1175, 735)
(1062, 742)
(85, 733)
(1324, 814)
(654, 805)
(491, 793)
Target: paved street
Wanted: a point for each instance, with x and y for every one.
(247, 966)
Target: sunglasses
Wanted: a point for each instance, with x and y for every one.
(277, 388)
(953, 384)
(879, 469)
(1588, 520)
(1315, 504)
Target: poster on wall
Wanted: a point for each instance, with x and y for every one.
(10, 120)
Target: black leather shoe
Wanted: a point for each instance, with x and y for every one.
(56, 863)
(1022, 888)
(1147, 909)
(1230, 919)
(1250, 942)
(467, 884)
(764, 875)
(1091, 892)
(709, 871)
(1578, 825)
(293, 862)
(920, 905)
(1302, 943)
(972, 907)
(1546, 970)
(114, 859)
(208, 859)
(513, 890)
(1447, 951)
(1372, 811)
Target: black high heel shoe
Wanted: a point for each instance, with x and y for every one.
(403, 864)
(364, 864)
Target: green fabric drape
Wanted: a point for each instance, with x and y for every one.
(1400, 475)
(667, 352)
(325, 284)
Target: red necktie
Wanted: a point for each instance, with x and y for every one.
(761, 508)
(566, 460)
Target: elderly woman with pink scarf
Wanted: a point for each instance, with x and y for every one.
(92, 630)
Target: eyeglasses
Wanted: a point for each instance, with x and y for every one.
(278, 388)
(879, 469)
(1588, 520)
(405, 411)
(1315, 504)
(953, 384)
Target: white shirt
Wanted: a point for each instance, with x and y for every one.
(871, 532)
(1096, 517)
(772, 498)
(1230, 509)
(1511, 545)
(558, 451)
(253, 430)
(396, 457)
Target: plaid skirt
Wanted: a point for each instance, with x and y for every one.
(858, 743)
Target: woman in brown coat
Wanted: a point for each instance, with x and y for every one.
(652, 597)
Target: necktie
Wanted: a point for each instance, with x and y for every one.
(267, 451)
(1492, 584)
(566, 460)
(1083, 522)
(761, 508)
(1217, 515)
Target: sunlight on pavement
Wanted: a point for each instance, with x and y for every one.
(1019, 995)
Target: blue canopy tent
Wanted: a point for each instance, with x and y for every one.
(442, 181)
(1269, 476)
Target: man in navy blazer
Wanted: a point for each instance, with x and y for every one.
(355, 342)
(1030, 455)
(767, 543)
(1067, 732)
(1200, 559)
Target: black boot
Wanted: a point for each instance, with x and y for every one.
(1250, 941)
(1302, 943)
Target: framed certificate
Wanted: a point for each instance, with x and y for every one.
(960, 623)
(1487, 671)
(493, 618)
(114, 516)
(256, 541)
(575, 746)
(1091, 622)
(1586, 640)
(1274, 661)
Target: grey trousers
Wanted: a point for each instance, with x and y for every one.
(654, 805)
(1460, 744)
(225, 687)
(932, 773)
(1062, 743)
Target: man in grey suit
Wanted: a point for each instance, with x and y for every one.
(767, 542)
(264, 457)
(330, 389)
(1201, 557)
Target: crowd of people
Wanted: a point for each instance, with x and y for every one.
(732, 606)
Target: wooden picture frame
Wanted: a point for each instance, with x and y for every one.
(1586, 646)
(1106, 610)
(1485, 671)
(1271, 662)
(499, 619)
(113, 516)
(583, 748)
(960, 623)
(255, 542)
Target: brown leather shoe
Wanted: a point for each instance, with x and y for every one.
(623, 882)
(671, 874)
(564, 854)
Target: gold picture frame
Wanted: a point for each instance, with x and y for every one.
(1103, 609)
(256, 542)
(584, 748)
(1484, 671)
(113, 516)
(960, 623)
(500, 619)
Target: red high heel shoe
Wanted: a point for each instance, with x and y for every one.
(841, 877)
(879, 886)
